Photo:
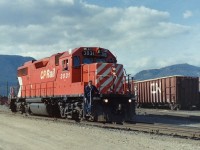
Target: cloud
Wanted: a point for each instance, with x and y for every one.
(139, 36)
(187, 14)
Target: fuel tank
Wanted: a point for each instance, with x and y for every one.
(39, 109)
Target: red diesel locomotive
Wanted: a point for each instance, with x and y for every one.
(54, 86)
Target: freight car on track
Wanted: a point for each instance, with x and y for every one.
(54, 86)
(177, 92)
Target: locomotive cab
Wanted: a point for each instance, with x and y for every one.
(88, 56)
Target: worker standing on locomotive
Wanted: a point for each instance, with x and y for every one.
(89, 92)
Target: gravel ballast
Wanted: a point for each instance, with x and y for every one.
(22, 133)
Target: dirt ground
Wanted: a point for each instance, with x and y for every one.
(22, 133)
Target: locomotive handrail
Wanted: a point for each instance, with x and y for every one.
(32, 92)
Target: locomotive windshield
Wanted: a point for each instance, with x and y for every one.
(101, 60)
(91, 55)
(88, 60)
(93, 60)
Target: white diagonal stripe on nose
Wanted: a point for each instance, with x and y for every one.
(101, 67)
(119, 75)
(106, 73)
(119, 87)
(106, 82)
(118, 67)
(120, 79)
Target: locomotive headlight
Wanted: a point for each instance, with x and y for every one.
(129, 100)
(106, 100)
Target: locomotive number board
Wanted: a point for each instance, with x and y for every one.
(90, 52)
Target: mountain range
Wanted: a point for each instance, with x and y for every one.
(8, 70)
(178, 69)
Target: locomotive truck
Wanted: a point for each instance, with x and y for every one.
(54, 86)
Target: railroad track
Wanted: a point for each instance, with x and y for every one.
(166, 129)
(160, 129)
(169, 114)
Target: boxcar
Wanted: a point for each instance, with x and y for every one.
(173, 91)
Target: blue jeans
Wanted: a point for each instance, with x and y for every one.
(87, 106)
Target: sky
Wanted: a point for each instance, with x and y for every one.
(143, 34)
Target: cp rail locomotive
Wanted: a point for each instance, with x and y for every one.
(54, 86)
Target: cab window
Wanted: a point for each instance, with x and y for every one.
(100, 60)
(65, 65)
(88, 60)
(22, 72)
(76, 61)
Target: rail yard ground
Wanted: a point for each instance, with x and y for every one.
(25, 133)
(164, 116)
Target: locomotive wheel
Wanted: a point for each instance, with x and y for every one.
(171, 106)
(175, 107)
(90, 118)
(29, 111)
(62, 113)
(178, 107)
(13, 106)
(22, 108)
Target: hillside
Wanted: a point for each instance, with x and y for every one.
(8, 71)
(179, 69)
